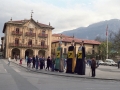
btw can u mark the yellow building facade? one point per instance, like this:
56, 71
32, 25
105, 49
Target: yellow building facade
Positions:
91, 46
27, 38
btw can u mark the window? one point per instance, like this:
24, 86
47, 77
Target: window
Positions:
30, 42
16, 41
65, 44
17, 30
36, 41
43, 32
93, 52
31, 30
42, 43
93, 46
54, 50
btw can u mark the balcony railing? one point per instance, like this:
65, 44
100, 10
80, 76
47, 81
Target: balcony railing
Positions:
42, 35
28, 46
30, 34
16, 33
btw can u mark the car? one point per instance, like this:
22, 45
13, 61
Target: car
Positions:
110, 62
101, 62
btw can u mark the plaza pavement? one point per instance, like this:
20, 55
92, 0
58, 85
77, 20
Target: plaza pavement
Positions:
102, 72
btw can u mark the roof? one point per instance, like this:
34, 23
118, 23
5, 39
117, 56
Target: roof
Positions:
24, 21
59, 35
69, 40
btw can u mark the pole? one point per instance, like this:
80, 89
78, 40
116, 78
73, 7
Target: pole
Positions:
107, 41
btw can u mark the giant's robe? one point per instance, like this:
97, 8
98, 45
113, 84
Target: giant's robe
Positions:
80, 61
70, 60
57, 60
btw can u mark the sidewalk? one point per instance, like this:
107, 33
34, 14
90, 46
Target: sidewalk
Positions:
102, 73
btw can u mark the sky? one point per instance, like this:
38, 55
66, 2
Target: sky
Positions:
63, 15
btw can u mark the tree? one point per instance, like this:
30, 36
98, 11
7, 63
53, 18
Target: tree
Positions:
102, 50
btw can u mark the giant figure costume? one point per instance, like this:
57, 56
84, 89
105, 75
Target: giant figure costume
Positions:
70, 60
57, 60
80, 62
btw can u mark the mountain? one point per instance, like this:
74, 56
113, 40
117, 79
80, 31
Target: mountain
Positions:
94, 30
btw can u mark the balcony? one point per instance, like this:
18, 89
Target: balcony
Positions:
28, 46
30, 34
16, 33
42, 35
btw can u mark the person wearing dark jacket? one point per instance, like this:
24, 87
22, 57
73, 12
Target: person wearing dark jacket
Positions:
93, 67
48, 63
41, 62
33, 61
29, 62
37, 62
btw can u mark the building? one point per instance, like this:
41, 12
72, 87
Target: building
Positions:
90, 45
26, 38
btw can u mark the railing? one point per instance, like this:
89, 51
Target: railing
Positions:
16, 33
30, 34
28, 46
42, 35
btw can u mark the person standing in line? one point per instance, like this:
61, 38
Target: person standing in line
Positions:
37, 62
93, 67
33, 61
9, 59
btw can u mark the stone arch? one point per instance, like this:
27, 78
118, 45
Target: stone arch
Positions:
14, 52
41, 53
29, 52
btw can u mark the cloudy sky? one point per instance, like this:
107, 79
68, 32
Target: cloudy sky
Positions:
62, 14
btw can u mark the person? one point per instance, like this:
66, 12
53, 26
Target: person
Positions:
26, 58
93, 67
20, 61
16, 57
80, 60
33, 61
48, 63
37, 62
53, 62
9, 59
29, 62
41, 62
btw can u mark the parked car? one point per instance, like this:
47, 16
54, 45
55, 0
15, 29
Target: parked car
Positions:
110, 62
101, 62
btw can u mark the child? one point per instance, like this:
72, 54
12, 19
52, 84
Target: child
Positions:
9, 59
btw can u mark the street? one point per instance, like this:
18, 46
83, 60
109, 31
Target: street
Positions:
15, 77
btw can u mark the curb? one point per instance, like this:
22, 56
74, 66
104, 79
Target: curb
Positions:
66, 75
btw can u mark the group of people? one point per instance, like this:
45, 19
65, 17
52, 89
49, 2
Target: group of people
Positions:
39, 62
